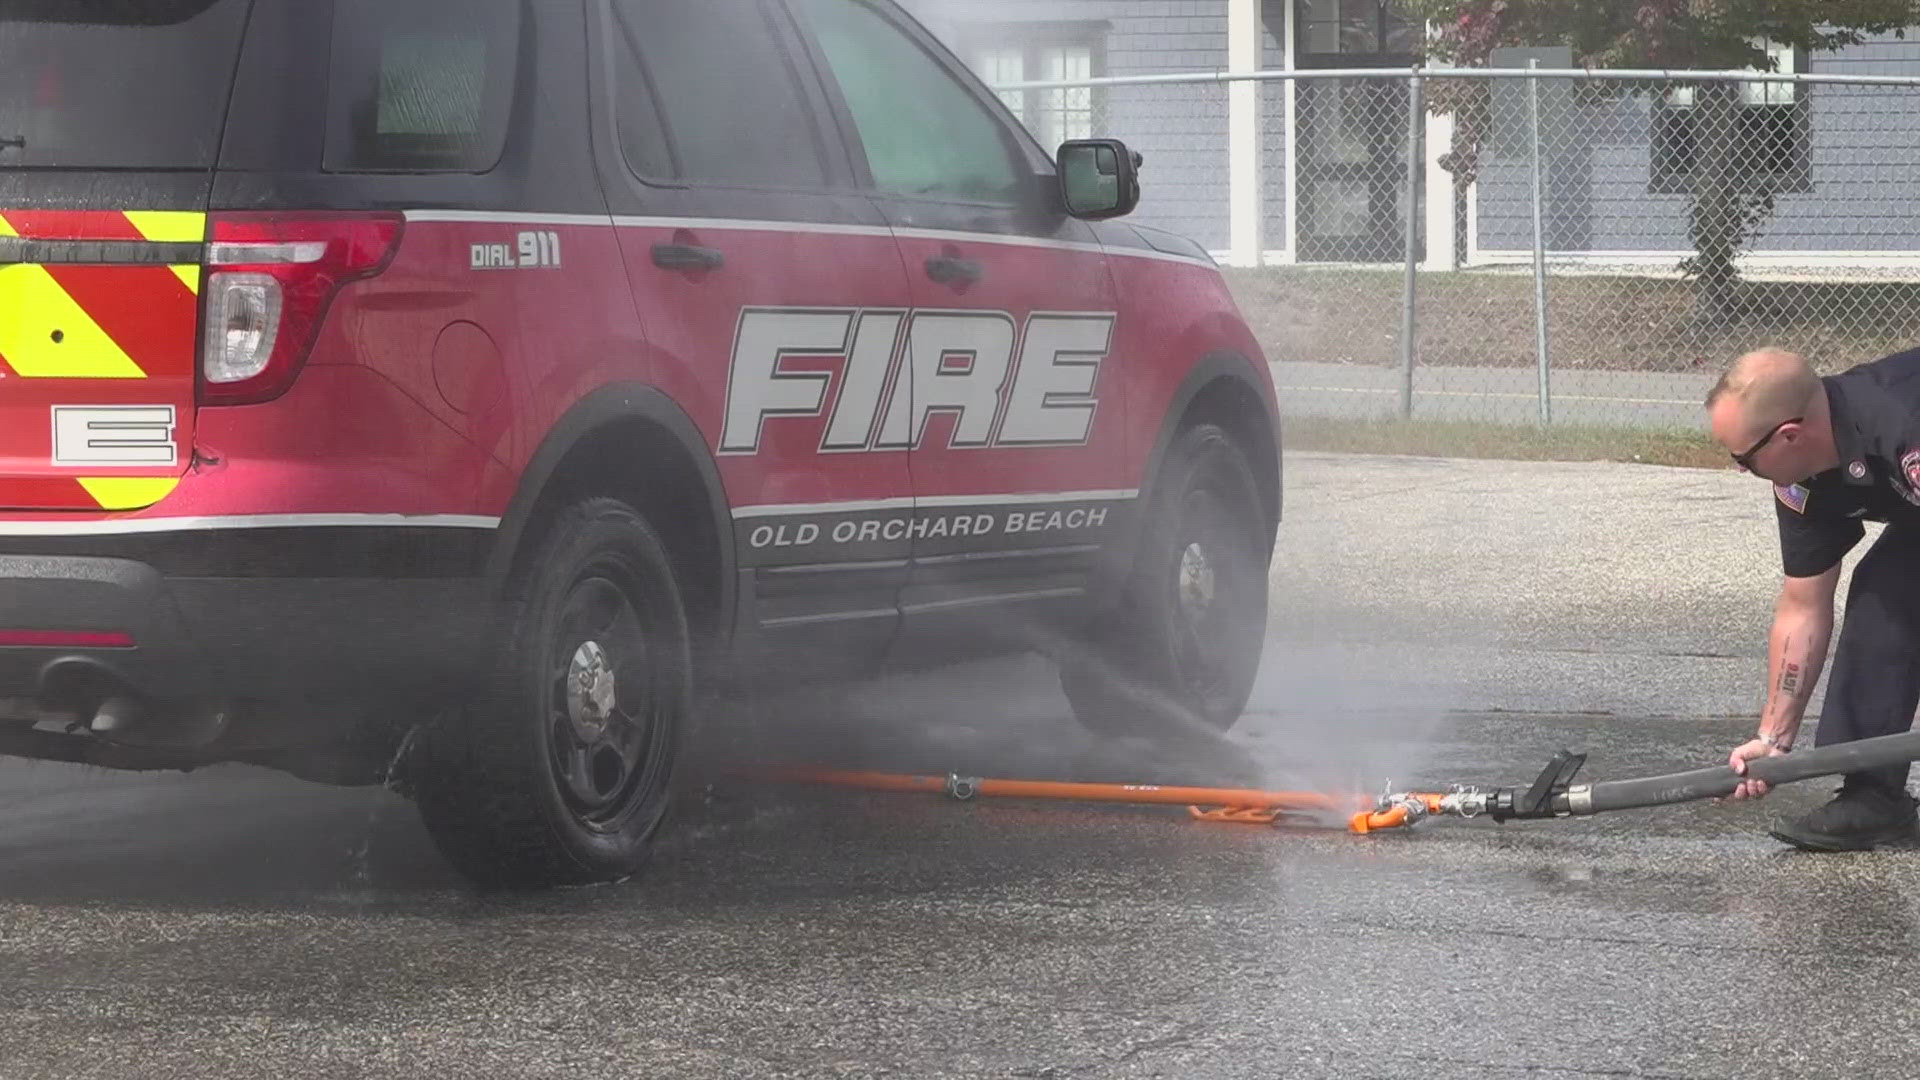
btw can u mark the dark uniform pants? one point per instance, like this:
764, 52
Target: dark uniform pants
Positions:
1875, 682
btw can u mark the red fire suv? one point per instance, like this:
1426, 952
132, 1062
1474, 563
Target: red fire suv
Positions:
492, 379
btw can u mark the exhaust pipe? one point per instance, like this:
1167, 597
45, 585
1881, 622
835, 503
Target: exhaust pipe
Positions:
116, 717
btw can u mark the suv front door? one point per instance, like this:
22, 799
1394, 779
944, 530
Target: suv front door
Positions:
1016, 420
771, 296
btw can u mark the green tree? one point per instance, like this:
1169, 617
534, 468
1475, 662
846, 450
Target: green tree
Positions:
1727, 200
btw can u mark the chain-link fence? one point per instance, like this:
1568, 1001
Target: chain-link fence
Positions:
1589, 247
1181, 130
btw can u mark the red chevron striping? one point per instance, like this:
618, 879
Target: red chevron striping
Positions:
44, 493
146, 310
72, 224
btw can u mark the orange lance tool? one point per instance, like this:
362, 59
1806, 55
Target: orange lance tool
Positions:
1208, 804
1553, 794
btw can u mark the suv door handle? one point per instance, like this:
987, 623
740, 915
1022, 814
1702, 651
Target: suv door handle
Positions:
687, 257
951, 270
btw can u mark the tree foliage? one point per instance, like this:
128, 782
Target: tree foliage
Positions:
1725, 209
1700, 34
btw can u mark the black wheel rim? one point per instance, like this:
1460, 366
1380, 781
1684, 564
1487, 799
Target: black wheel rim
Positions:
1209, 579
607, 735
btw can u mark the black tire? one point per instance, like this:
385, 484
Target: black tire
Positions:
560, 771
1181, 654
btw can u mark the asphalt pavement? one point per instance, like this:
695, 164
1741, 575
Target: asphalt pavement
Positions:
1434, 621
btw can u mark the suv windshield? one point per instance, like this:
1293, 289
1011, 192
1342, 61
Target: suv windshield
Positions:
116, 84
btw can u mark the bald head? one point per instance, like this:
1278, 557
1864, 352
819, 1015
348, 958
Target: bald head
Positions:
1767, 386
1770, 412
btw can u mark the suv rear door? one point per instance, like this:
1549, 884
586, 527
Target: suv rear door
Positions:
771, 295
111, 116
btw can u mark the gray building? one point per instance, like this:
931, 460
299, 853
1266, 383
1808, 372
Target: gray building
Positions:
1315, 171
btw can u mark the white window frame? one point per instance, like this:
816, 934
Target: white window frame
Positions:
1027, 52
1787, 60
1663, 179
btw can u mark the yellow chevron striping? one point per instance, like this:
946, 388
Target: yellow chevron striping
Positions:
169, 226
173, 226
128, 492
6, 229
44, 334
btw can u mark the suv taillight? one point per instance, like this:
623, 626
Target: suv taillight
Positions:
270, 279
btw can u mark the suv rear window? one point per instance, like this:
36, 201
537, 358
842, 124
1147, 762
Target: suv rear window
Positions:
743, 119
116, 84
422, 86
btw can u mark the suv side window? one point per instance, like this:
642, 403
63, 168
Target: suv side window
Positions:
925, 133
421, 87
733, 108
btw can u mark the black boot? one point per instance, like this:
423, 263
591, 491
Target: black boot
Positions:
1860, 817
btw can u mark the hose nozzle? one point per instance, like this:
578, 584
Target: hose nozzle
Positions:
1405, 809
1399, 810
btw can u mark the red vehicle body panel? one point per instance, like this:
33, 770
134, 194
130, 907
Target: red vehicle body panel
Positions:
918, 421
430, 386
100, 339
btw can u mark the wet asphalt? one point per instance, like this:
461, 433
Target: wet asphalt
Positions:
1434, 622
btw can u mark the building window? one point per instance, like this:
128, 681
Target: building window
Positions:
1332, 29
1025, 53
1770, 138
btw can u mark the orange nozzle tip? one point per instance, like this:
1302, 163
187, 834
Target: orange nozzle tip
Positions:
1393, 818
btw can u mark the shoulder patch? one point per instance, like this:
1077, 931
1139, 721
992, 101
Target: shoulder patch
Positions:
1910, 468
1795, 495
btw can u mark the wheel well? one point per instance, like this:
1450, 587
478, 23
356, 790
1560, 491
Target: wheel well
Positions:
1239, 409
643, 465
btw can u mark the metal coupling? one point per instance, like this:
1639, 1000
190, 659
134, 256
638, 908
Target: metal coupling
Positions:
962, 787
1580, 799
1412, 805
1465, 802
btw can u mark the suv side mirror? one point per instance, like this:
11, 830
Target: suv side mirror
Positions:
1099, 178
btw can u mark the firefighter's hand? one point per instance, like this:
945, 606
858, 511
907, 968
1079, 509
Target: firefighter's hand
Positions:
1737, 761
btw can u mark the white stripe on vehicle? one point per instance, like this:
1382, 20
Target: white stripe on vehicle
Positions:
493, 217
126, 526
928, 501
796, 227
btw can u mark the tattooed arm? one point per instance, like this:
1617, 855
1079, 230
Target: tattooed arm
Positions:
1802, 626
1796, 653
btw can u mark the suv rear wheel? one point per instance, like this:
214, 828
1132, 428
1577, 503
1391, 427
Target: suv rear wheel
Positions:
560, 771
1186, 643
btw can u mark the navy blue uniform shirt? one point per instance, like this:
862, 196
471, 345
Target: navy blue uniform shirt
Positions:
1876, 427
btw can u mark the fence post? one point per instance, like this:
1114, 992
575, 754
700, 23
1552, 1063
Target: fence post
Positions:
1246, 158
1539, 245
1416, 153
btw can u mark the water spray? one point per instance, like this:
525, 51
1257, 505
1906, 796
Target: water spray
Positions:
1552, 794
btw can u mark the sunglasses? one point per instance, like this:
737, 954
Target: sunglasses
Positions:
1745, 460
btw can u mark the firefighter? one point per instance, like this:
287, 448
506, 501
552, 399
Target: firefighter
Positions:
1840, 450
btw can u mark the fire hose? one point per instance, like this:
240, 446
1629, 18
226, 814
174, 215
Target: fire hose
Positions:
1552, 794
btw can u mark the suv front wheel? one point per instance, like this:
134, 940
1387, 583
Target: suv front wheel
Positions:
1185, 644
560, 771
